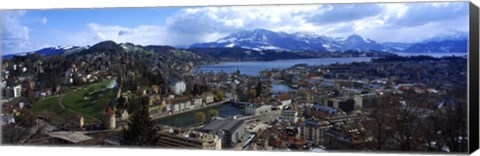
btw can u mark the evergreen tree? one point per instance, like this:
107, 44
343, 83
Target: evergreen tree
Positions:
258, 89
141, 130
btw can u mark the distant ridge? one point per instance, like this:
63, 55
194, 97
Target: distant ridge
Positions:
263, 39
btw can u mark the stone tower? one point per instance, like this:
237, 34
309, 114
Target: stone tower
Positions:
109, 120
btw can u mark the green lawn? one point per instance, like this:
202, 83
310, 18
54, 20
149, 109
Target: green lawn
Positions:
90, 101
50, 104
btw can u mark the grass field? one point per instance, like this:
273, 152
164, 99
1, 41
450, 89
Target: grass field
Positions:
90, 101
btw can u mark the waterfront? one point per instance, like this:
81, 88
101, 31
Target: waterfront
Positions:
252, 68
188, 118
430, 54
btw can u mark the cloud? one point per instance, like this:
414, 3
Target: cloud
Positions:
335, 13
392, 22
44, 21
200, 24
15, 35
416, 14
337, 20
143, 34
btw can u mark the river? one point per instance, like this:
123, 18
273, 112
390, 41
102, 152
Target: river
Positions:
188, 118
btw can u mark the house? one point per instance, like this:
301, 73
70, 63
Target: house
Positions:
180, 104
197, 102
208, 97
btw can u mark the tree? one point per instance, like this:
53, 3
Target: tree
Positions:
252, 93
213, 112
141, 130
196, 89
219, 95
258, 89
27, 118
200, 117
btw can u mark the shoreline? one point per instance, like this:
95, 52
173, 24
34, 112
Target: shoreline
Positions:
158, 117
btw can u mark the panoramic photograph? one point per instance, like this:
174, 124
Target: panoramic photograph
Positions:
361, 77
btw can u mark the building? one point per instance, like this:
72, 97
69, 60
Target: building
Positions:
7, 119
180, 104
345, 104
365, 101
13, 91
17, 91
183, 138
285, 100
351, 136
208, 97
253, 109
177, 87
314, 130
289, 115
197, 102
231, 131
279, 137
322, 112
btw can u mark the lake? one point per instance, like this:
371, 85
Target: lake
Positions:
253, 68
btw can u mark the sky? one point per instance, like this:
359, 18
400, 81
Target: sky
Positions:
30, 30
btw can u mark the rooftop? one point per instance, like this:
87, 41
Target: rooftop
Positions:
74, 137
229, 125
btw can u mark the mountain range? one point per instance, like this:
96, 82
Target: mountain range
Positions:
262, 39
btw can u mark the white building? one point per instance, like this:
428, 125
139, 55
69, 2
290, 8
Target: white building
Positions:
197, 102
178, 87
17, 91
256, 109
290, 115
7, 119
208, 97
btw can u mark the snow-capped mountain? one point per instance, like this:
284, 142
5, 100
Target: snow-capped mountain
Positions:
399, 46
453, 42
59, 50
262, 39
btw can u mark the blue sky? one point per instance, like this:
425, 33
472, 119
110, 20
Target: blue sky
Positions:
29, 30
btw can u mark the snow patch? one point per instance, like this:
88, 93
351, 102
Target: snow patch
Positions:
230, 45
